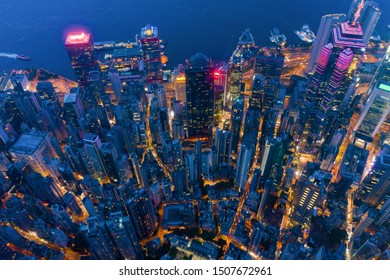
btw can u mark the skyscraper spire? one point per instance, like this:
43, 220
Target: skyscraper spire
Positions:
358, 13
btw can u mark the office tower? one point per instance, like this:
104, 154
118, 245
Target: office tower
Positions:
151, 49
332, 97
352, 165
368, 15
223, 144
221, 80
264, 199
99, 239
369, 18
365, 221
376, 185
179, 82
124, 236
178, 130
236, 122
268, 66
9, 112
245, 159
93, 189
200, 96
198, 159
189, 160
72, 203
92, 157
33, 148
81, 53
29, 108
43, 188
218, 103
273, 154
384, 213
258, 232
180, 183
109, 158
73, 110
141, 212
251, 126
161, 94
245, 49
377, 107
258, 90
309, 195
63, 219
328, 22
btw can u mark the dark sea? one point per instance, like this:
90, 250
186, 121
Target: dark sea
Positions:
38, 28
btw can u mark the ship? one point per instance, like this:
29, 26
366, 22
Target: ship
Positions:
23, 57
305, 34
277, 38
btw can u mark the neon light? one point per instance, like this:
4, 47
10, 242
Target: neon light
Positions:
216, 74
77, 36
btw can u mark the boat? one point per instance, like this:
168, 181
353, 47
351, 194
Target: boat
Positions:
23, 57
277, 38
305, 34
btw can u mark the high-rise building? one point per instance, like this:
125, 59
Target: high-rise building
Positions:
200, 96
236, 122
376, 185
245, 159
29, 108
141, 212
328, 22
151, 49
223, 144
264, 199
179, 82
34, 148
109, 158
332, 97
44, 188
180, 182
73, 109
81, 53
92, 157
310, 194
99, 239
124, 236
377, 107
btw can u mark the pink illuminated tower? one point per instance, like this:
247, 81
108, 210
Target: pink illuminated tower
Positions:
343, 63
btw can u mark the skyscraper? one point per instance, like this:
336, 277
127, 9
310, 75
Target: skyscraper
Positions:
377, 107
310, 194
99, 239
200, 96
323, 34
236, 122
93, 159
376, 185
141, 212
245, 159
33, 148
124, 236
223, 144
81, 53
151, 49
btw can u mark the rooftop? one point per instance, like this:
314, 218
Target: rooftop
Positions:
76, 38
70, 98
28, 143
